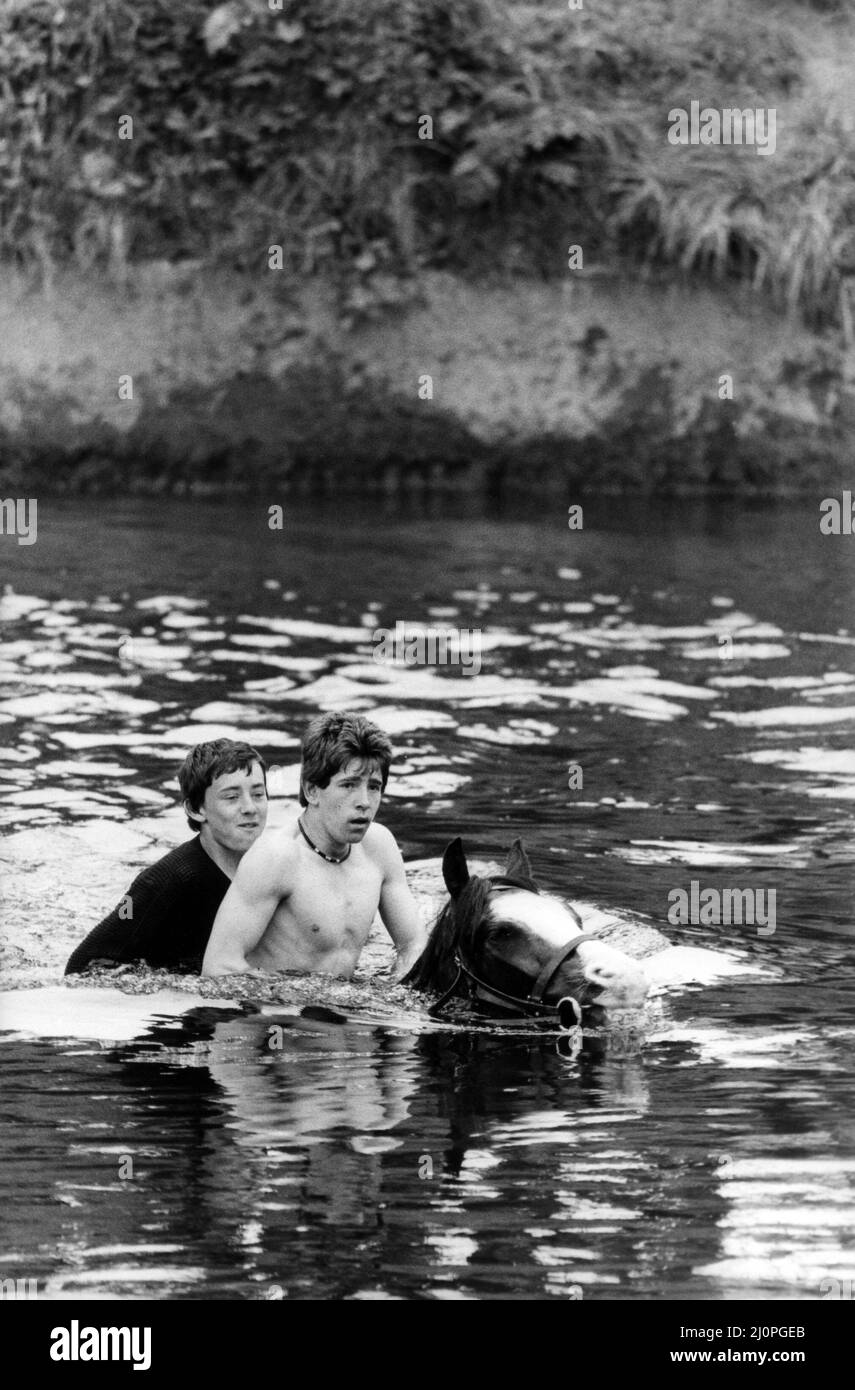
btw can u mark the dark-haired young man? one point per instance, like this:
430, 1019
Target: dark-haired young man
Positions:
166, 916
304, 897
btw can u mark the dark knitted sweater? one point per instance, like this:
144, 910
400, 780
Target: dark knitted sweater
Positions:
172, 909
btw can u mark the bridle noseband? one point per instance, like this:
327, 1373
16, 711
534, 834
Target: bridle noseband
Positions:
566, 1010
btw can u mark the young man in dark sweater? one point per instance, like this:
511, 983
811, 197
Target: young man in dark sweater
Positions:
166, 916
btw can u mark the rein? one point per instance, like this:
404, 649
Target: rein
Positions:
567, 1010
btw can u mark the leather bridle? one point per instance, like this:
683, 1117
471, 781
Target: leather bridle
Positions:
566, 1011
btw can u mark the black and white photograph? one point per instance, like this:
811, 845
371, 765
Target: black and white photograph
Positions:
427, 677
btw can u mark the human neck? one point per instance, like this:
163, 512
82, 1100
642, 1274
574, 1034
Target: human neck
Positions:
225, 859
317, 832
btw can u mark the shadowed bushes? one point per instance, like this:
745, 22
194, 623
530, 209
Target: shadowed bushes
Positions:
300, 127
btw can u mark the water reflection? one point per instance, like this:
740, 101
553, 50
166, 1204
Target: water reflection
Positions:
348, 1149
362, 1161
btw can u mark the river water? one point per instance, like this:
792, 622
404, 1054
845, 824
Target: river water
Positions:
694, 664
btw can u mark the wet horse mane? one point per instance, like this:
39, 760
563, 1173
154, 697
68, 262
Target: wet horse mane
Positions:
435, 967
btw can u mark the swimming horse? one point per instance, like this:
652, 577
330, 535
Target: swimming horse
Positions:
513, 950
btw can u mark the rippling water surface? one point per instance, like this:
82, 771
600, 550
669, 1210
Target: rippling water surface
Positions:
696, 664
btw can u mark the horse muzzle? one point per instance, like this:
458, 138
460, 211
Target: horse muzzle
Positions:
611, 979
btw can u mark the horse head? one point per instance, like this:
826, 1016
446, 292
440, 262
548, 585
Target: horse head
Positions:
514, 949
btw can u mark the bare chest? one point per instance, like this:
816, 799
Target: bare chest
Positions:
332, 906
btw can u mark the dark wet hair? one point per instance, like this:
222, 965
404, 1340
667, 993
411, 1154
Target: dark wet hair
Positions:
208, 761
332, 740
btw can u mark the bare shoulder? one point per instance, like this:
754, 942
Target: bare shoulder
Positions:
272, 858
381, 846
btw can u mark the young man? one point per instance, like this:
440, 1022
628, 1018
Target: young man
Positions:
166, 916
304, 897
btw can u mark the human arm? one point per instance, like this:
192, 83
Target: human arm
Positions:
398, 909
262, 880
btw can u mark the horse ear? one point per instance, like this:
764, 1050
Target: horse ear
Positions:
455, 870
518, 865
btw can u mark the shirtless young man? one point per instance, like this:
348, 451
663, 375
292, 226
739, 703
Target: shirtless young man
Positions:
304, 897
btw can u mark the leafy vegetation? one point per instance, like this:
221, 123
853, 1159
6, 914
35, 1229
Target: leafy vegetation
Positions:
300, 127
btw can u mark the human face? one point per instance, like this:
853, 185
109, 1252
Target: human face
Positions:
346, 807
234, 809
